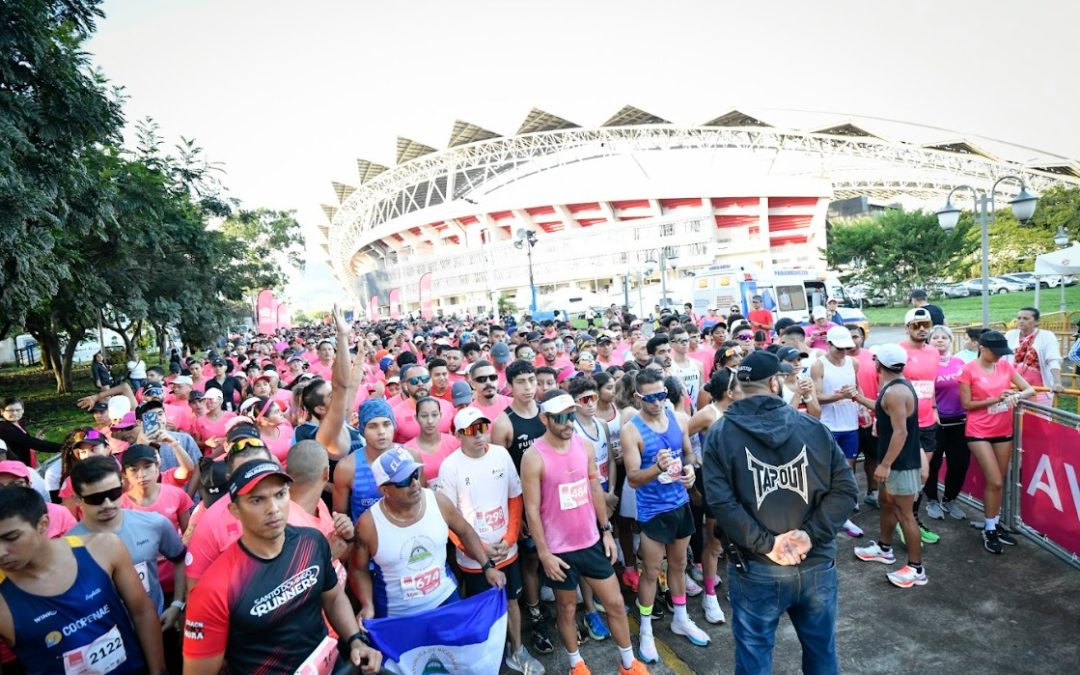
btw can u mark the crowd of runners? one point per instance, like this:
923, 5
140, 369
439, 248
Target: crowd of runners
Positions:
250, 506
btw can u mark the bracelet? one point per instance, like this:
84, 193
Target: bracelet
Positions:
178, 604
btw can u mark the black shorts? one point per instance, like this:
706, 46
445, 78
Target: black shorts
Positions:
586, 562
867, 443
992, 439
928, 438
667, 527
473, 583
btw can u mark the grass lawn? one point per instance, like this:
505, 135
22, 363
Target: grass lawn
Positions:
966, 311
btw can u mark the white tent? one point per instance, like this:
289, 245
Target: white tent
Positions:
1064, 261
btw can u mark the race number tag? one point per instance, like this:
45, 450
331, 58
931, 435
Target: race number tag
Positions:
602, 468
923, 388
418, 585
673, 473
573, 495
101, 656
144, 576
322, 660
490, 521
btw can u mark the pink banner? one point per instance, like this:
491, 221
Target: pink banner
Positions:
1050, 501
426, 303
373, 308
265, 312
395, 303
284, 316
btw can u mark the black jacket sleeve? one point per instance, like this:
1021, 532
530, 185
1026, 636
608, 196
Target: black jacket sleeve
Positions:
20, 443
838, 503
731, 516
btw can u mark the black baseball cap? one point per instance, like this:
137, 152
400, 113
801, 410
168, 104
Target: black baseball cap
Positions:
242, 431
760, 365
138, 453
995, 342
218, 362
100, 406
790, 354
149, 405
250, 474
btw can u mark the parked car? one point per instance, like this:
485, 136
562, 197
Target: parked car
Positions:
996, 285
1025, 280
865, 296
957, 290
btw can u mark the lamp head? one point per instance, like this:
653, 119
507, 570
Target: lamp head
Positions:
948, 216
1023, 206
1061, 239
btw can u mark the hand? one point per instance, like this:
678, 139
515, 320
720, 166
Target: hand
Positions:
498, 551
611, 501
495, 577
87, 402
688, 476
610, 550
881, 473
366, 612
806, 387
367, 658
798, 544
342, 326
554, 566
663, 460
343, 527
170, 618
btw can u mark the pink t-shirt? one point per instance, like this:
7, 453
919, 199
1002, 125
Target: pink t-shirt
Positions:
206, 428
407, 428
181, 417
997, 420
433, 460
493, 410
279, 447
317, 368
60, 520
171, 502
168, 477
704, 356
921, 371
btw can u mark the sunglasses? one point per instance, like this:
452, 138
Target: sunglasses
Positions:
585, 357
481, 379
587, 399
682, 341
246, 443
478, 429
525, 356
745, 336
415, 475
98, 498
561, 418
419, 379
652, 398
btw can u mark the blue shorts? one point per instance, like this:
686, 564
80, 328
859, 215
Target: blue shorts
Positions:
848, 442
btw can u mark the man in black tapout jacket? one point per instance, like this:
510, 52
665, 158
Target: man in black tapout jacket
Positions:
779, 488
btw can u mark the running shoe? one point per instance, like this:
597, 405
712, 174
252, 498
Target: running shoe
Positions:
691, 632
713, 612
692, 588
522, 661
852, 530
541, 643
992, 542
580, 669
647, 648
630, 578
906, 577
596, 627
871, 498
696, 573
874, 553
534, 615
935, 510
953, 509
668, 602
928, 537
1005, 536
636, 668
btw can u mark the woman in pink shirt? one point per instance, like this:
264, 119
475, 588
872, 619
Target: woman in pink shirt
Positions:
274, 429
986, 393
210, 427
432, 445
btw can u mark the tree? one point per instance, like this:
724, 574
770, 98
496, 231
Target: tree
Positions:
898, 250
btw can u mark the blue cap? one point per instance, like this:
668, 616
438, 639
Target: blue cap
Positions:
374, 408
394, 466
384, 363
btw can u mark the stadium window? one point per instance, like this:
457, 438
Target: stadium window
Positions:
667, 229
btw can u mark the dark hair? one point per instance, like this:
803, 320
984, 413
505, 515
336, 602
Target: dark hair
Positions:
976, 331
547, 340
518, 368
579, 385
427, 399
547, 370
679, 330
437, 363
602, 378
646, 376
24, 503
611, 370
855, 326
496, 327
655, 342
12, 400
93, 470
470, 347
722, 381
478, 365
404, 358
783, 324
795, 330
1034, 311
675, 389
156, 369
918, 294
245, 454
311, 397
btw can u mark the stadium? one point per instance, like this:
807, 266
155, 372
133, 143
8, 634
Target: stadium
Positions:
449, 230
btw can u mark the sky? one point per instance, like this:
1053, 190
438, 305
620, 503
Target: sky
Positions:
287, 95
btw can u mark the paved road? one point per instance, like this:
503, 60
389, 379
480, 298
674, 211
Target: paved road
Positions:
883, 334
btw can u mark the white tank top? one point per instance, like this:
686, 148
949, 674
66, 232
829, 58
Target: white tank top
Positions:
691, 379
411, 561
595, 434
841, 415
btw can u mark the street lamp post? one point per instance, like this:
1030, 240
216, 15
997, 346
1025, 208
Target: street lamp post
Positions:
1023, 206
526, 239
665, 257
1061, 240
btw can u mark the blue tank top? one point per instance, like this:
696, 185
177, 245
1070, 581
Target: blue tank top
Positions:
664, 493
85, 626
364, 491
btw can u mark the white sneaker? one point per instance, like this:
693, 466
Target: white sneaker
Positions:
713, 612
874, 553
692, 587
522, 661
906, 577
647, 648
852, 530
546, 594
954, 510
691, 632
935, 510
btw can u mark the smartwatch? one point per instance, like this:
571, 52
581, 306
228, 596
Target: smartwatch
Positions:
487, 566
606, 527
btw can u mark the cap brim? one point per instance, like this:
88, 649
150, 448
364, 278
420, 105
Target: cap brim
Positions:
404, 471
258, 479
1000, 351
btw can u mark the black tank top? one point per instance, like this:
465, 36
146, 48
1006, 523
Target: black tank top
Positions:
526, 430
909, 455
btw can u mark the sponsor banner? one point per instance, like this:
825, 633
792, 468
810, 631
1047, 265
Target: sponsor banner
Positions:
426, 302
395, 303
1050, 479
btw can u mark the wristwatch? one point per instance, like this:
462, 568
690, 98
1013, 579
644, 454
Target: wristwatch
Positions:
346, 644
606, 527
179, 604
487, 566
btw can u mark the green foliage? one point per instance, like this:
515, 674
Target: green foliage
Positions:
897, 250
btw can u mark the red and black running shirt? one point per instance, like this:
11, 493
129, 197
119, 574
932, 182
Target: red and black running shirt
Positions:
265, 616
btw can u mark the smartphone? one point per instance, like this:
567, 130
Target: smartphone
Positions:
151, 421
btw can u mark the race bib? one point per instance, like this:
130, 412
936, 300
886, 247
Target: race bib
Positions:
998, 408
573, 495
923, 388
101, 656
493, 520
602, 467
673, 473
322, 660
144, 576
415, 586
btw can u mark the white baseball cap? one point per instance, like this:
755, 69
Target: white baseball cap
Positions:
890, 355
466, 417
917, 314
840, 337
559, 404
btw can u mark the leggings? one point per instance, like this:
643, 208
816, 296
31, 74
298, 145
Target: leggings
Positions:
952, 445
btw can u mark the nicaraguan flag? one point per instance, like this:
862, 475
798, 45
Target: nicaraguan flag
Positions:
462, 638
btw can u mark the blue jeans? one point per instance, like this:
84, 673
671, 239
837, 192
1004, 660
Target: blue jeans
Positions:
758, 598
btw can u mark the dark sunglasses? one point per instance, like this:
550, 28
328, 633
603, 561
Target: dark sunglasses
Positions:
478, 429
419, 379
415, 475
98, 498
681, 341
561, 418
481, 379
745, 336
652, 398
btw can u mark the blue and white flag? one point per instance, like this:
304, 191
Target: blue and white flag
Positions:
462, 638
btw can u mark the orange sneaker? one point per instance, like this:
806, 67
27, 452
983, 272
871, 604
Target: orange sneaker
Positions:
636, 668
580, 669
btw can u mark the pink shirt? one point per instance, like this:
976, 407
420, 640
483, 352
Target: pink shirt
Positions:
60, 520
433, 460
181, 417
997, 420
168, 477
493, 410
407, 428
317, 368
921, 371
566, 507
206, 428
171, 502
279, 447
